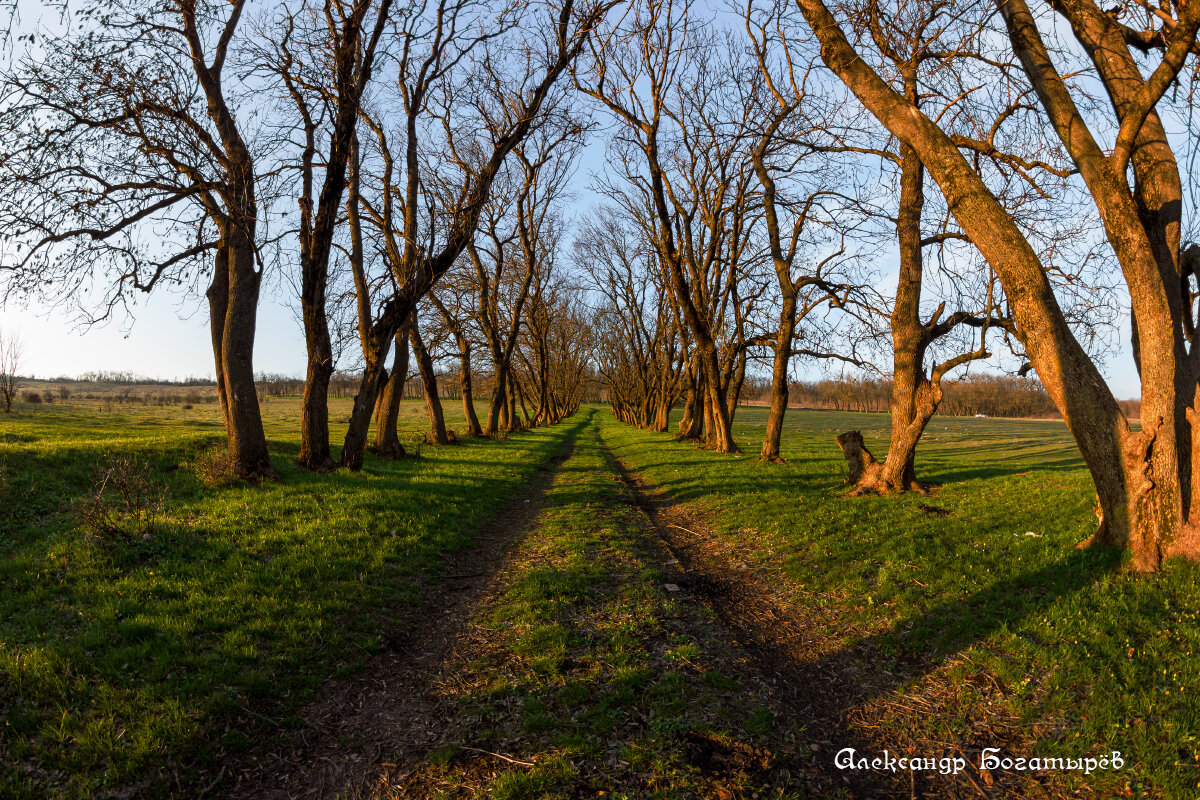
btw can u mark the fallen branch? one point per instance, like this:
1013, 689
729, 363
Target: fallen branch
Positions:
497, 755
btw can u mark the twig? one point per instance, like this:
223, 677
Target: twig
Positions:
213, 785
693, 533
978, 788
497, 755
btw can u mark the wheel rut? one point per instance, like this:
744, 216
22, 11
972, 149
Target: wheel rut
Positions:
361, 726
815, 679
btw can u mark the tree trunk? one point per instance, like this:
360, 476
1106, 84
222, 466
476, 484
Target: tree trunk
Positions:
779, 383
864, 469
468, 397
375, 351
691, 427
218, 302
387, 406
247, 440
721, 432
521, 399
915, 397
499, 401
433, 403
314, 406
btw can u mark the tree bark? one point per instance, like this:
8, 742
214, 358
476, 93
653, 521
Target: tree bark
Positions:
691, 427
387, 406
779, 381
247, 440
433, 403
468, 394
864, 469
314, 405
496, 411
218, 303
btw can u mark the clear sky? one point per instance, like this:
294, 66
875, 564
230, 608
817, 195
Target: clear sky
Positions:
167, 337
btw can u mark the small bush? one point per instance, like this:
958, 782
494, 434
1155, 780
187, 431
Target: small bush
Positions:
212, 466
124, 502
32, 397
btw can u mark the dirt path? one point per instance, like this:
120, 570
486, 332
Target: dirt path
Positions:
387, 712
601, 639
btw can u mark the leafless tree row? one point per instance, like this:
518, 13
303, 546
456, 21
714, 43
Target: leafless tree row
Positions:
354, 145
904, 187
1020, 161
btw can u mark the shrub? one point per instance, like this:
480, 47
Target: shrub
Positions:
32, 397
124, 502
212, 466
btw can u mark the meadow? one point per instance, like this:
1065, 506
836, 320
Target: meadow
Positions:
144, 661
986, 625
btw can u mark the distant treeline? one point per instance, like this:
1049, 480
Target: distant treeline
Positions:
345, 384
991, 395
115, 378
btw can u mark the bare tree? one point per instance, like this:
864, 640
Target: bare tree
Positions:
640, 350
129, 167
431, 47
1144, 479
325, 60
452, 304
11, 353
680, 158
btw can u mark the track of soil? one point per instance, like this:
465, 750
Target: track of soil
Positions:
366, 730
386, 714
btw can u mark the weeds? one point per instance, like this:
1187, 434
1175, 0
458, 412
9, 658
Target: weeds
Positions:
212, 466
125, 502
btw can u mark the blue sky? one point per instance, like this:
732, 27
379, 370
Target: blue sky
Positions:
167, 335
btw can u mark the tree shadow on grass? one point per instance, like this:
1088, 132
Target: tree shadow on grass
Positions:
945, 473
210, 621
824, 681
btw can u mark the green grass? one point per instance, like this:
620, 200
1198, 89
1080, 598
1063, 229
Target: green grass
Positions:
124, 659
993, 601
589, 670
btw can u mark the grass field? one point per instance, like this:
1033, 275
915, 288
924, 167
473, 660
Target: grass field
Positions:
990, 613
126, 659
131, 660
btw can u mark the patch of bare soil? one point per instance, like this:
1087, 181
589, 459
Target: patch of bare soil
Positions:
389, 711
832, 681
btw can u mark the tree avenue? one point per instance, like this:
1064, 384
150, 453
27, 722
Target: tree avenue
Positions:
523, 207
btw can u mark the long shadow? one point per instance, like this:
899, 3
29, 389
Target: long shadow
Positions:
356, 724
994, 470
823, 683
137, 615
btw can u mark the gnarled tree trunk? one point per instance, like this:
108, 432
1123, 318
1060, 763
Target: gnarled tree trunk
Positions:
433, 403
387, 406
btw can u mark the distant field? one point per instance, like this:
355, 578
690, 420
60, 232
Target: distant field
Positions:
992, 443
